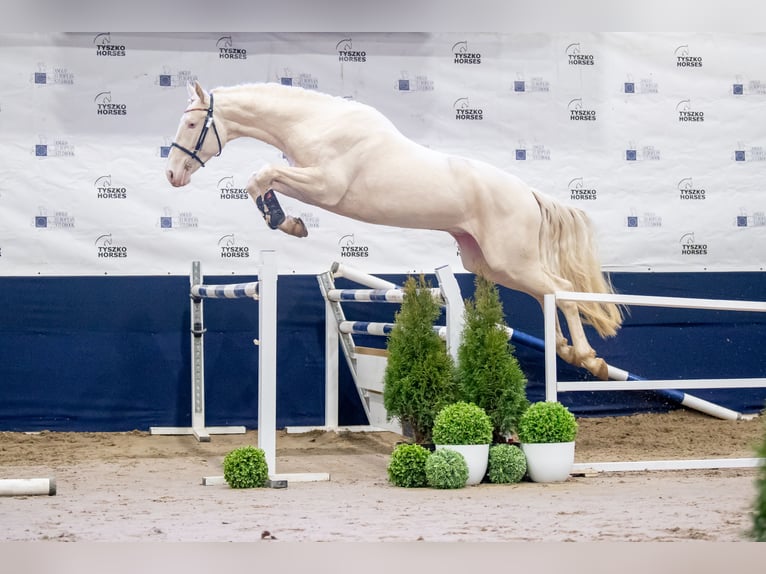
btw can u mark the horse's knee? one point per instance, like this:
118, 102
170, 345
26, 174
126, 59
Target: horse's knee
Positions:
252, 187
257, 183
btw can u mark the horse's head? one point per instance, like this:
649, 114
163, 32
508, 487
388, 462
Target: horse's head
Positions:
197, 139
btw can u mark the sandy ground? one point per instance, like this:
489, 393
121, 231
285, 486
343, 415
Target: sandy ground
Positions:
137, 487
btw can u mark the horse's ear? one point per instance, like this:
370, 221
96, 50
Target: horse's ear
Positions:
196, 91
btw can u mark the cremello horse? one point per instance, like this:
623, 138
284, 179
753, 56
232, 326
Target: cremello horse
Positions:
349, 159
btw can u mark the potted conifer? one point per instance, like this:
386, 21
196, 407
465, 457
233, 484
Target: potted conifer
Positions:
487, 371
419, 375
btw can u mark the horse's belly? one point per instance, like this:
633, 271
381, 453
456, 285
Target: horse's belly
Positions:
400, 211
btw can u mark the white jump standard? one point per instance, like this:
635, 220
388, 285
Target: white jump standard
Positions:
264, 291
197, 292
367, 365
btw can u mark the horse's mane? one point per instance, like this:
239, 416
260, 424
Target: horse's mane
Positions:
291, 91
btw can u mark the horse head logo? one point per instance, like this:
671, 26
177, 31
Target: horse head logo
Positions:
103, 181
461, 103
576, 183
226, 241
104, 240
347, 240
224, 42
687, 238
103, 98
344, 45
226, 182
103, 39
460, 47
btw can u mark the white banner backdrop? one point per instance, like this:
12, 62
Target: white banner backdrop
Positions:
659, 137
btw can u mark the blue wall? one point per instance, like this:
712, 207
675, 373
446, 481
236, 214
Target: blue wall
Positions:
113, 353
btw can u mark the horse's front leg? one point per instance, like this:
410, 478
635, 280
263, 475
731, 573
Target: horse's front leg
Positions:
289, 180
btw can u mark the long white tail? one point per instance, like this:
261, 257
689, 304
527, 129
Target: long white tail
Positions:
569, 251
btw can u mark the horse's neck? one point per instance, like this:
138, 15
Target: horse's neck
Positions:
256, 111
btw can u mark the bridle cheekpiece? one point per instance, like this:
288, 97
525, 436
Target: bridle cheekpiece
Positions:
203, 134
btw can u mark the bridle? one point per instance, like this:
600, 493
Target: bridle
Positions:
203, 134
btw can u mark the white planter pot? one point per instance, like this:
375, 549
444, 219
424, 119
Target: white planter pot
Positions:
476, 457
549, 462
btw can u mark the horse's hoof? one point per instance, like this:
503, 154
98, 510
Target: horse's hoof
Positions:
294, 226
598, 368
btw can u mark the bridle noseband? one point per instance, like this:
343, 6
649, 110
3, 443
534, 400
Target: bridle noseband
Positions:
203, 134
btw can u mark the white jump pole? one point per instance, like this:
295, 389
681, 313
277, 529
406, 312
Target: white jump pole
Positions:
340, 270
27, 486
267, 359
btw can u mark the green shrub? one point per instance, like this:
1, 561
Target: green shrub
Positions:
507, 464
547, 422
462, 423
407, 466
488, 372
246, 467
758, 531
446, 469
419, 378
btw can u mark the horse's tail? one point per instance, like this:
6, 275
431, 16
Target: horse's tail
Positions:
568, 250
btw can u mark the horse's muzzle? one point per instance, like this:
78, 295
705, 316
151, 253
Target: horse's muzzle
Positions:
178, 178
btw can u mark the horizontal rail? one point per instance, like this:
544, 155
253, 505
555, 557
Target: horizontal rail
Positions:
374, 295
378, 329
233, 291
655, 384
674, 302
627, 381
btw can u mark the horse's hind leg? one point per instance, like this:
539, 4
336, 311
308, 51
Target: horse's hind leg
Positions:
580, 353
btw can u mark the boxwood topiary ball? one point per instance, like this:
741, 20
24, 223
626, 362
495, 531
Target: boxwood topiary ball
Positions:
446, 468
246, 467
407, 466
507, 464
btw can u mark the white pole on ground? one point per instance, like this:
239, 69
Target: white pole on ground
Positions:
27, 486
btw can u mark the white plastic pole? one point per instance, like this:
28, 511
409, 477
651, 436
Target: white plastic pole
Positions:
549, 319
27, 486
330, 367
267, 359
450, 291
340, 270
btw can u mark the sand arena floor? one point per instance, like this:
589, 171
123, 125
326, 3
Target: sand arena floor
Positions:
122, 487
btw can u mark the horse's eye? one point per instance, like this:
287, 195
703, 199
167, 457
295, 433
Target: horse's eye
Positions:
192, 125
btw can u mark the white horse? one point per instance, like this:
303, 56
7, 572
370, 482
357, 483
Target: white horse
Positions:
349, 159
